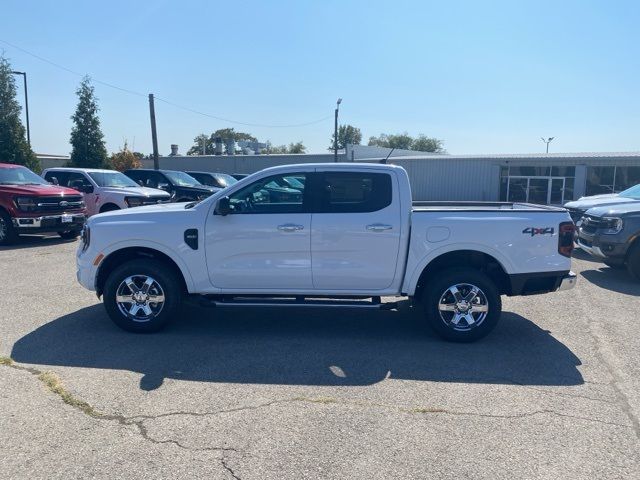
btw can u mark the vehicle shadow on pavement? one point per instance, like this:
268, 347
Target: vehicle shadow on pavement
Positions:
301, 347
614, 279
33, 241
582, 255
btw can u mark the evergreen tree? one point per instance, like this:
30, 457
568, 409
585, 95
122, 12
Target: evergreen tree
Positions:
87, 140
13, 144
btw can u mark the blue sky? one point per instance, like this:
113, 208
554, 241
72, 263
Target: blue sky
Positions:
485, 77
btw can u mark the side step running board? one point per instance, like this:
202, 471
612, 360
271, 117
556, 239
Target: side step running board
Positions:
299, 302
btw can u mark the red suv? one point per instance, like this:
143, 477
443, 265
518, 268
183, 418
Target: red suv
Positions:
29, 204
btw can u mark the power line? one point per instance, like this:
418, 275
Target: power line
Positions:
182, 107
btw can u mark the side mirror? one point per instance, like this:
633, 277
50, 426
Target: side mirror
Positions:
224, 206
141, 183
54, 181
85, 188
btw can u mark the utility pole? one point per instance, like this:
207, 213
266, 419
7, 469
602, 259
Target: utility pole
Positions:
547, 141
26, 104
154, 134
335, 132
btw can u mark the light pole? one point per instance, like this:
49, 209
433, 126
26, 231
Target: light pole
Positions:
335, 132
547, 141
26, 104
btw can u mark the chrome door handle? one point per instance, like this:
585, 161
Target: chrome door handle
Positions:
290, 227
379, 227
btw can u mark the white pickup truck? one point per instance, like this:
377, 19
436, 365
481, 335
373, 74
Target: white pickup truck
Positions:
348, 235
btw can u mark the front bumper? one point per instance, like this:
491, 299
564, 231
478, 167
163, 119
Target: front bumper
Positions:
602, 246
50, 223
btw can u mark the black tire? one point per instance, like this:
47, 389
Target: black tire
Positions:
69, 234
8, 234
109, 207
633, 260
480, 323
615, 266
164, 278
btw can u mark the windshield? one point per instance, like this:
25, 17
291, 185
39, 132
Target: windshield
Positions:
225, 180
20, 176
633, 192
182, 179
112, 179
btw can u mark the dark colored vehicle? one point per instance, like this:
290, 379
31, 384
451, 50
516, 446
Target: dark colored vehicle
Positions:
612, 234
181, 186
29, 204
239, 176
577, 208
217, 180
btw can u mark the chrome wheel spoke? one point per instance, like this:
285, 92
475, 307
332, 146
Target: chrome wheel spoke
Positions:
456, 293
135, 308
147, 284
156, 298
140, 304
447, 307
469, 319
481, 308
124, 299
130, 283
472, 294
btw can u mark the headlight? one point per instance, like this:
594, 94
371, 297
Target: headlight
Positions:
26, 204
133, 201
85, 237
612, 225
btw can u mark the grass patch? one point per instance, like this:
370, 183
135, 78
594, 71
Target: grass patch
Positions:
53, 383
6, 361
428, 410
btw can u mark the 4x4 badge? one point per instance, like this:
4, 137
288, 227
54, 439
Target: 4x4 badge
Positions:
538, 231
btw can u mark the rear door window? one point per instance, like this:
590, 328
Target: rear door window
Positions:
354, 192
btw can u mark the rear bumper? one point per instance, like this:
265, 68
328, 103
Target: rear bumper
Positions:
541, 282
50, 223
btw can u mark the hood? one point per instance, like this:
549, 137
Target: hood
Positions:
198, 189
136, 191
615, 210
140, 211
38, 190
586, 203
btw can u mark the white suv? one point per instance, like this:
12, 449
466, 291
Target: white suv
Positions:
105, 190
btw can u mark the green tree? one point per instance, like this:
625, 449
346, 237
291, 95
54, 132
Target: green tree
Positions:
428, 144
125, 159
347, 134
297, 147
224, 133
87, 141
407, 142
13, 144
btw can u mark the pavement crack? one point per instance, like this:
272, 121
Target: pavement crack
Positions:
223, 461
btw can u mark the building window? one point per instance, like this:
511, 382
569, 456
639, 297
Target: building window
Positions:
626, 177
600, 180
537, 184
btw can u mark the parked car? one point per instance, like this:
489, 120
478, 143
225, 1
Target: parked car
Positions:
181, 186
578, 208
29, 204
367, 241
105, 190
612, 234
216, 180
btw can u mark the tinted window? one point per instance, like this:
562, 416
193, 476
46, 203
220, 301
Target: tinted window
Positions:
627, 177
149, 179
269, 195
112, 179
600, 180
72, 180
349, 192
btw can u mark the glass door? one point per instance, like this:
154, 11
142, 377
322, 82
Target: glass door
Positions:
538, 191
517, 189
556, 192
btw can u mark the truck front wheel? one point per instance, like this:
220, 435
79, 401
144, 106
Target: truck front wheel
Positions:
462, 304
7, 232
142, 296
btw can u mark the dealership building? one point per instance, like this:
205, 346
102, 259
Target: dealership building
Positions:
545, 178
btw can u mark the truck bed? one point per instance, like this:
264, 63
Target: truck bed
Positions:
482, 207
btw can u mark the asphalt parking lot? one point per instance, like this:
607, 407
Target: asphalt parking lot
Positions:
553, 392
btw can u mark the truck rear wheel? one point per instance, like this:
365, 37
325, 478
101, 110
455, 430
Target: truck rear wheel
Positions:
462, 304
8, 234
142, 296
